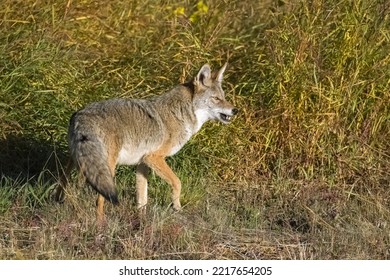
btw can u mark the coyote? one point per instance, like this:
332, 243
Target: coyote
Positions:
142, 132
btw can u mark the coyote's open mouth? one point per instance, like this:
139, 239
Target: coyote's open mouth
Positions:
225, 118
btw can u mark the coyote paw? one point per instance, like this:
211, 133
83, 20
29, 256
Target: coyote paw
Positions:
176, 208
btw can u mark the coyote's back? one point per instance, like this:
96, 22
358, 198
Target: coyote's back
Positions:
143, 132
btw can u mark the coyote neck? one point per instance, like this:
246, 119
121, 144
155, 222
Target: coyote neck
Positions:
202, 116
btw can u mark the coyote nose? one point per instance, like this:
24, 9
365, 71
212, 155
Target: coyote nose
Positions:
234, 111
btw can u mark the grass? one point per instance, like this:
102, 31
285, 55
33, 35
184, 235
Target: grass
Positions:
301, 173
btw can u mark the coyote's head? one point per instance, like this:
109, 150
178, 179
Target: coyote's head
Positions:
209, 98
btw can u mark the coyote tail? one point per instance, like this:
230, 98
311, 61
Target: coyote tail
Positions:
91, 158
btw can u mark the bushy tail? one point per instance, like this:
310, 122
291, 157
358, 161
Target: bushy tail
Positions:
91, 156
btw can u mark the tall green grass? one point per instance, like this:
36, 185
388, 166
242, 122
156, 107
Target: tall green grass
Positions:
302, 172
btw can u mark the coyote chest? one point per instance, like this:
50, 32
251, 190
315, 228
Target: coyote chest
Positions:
180, 141
189, 130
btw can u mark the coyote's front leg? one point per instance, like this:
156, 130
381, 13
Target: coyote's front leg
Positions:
158, 164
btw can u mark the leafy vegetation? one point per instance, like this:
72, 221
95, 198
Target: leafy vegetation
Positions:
301, 173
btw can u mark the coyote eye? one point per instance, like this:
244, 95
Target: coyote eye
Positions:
216, 98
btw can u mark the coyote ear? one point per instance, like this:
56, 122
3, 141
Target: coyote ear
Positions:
204, 76
220, 73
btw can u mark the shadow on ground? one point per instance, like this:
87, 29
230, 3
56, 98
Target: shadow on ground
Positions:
26, 159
